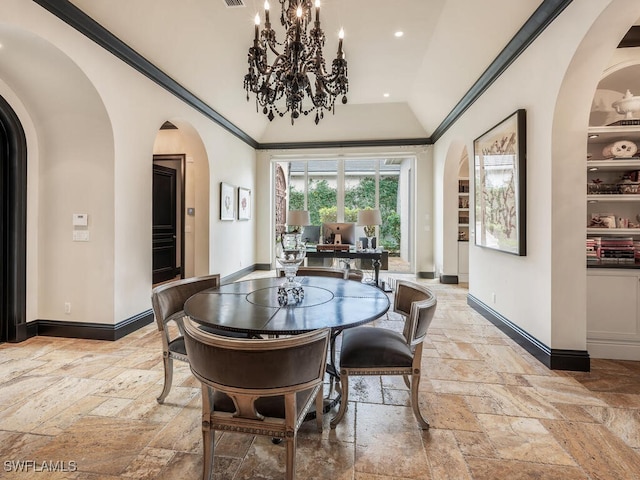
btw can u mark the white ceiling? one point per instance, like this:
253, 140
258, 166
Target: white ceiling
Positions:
447, 44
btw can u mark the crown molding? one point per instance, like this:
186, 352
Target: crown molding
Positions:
534, 26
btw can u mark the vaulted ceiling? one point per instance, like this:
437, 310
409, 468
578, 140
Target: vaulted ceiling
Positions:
450, 49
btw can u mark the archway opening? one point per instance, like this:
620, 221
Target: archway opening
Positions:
180, 154
13, 208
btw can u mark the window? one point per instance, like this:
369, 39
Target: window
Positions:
335, 190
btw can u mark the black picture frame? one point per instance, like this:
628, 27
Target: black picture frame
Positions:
500, 186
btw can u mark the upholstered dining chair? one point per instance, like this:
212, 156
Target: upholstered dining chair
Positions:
168, 301
257, 386
380, 351
347, 274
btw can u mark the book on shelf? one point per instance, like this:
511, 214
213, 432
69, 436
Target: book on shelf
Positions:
625, 122
612, 250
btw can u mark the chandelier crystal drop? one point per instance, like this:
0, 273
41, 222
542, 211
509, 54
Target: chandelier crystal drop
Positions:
296, 80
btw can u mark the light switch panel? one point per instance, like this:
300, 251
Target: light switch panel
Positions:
81, 235
80, 219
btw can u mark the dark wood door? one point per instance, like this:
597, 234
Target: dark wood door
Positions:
164, 223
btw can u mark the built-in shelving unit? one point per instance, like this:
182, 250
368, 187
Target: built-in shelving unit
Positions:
613, 274
463, 209
463, 226
613, 199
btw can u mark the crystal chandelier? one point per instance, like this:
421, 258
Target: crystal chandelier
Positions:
298, 70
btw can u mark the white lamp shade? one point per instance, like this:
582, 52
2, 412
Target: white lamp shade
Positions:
298, 217
369, 217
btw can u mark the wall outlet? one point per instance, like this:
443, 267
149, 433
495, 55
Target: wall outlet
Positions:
67, 307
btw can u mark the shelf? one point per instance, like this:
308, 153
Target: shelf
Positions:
613, 231
614, 134
466, 194
614, 164
633, 197
466, 225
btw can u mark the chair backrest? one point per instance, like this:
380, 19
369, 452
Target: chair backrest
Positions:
256, 368
168, 299
354, 274
417, 304
328, 272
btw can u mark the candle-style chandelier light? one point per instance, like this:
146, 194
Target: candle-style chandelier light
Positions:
297, 80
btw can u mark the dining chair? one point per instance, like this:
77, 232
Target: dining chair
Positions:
257, 386
381, 351
168, 301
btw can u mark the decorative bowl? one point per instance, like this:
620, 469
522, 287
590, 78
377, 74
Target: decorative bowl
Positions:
627, 105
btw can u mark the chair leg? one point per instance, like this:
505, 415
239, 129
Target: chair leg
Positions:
290, 473
208, 442
208, 434
319, 408
344, 386
415, 383
168, 378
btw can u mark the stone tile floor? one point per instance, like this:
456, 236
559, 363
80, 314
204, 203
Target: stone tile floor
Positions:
495, 412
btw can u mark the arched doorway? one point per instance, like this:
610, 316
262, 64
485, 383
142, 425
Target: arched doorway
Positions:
179, 148
13, 208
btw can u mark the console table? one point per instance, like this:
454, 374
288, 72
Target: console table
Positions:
378, 257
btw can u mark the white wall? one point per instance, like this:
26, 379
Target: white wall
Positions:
95, 120
544, 292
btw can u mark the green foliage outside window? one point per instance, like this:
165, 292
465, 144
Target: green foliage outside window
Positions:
322, 200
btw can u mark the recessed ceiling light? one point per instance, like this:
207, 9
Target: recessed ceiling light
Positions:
385, 95
595, 135
593, 169
399, 33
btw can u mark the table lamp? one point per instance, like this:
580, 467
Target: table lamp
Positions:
298, 219
369, 218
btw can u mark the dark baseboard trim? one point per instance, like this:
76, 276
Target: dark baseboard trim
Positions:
554, 359
262, 266
239, 274
22, 333
449, 279
91, 331
32, 329
430, 275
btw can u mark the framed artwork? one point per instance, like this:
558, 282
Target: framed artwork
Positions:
500, 183
227, 203
244, 203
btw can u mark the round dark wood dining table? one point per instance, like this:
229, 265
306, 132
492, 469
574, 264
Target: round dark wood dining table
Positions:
251, 306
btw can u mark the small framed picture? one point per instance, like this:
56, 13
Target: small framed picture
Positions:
227, 210
244, 203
